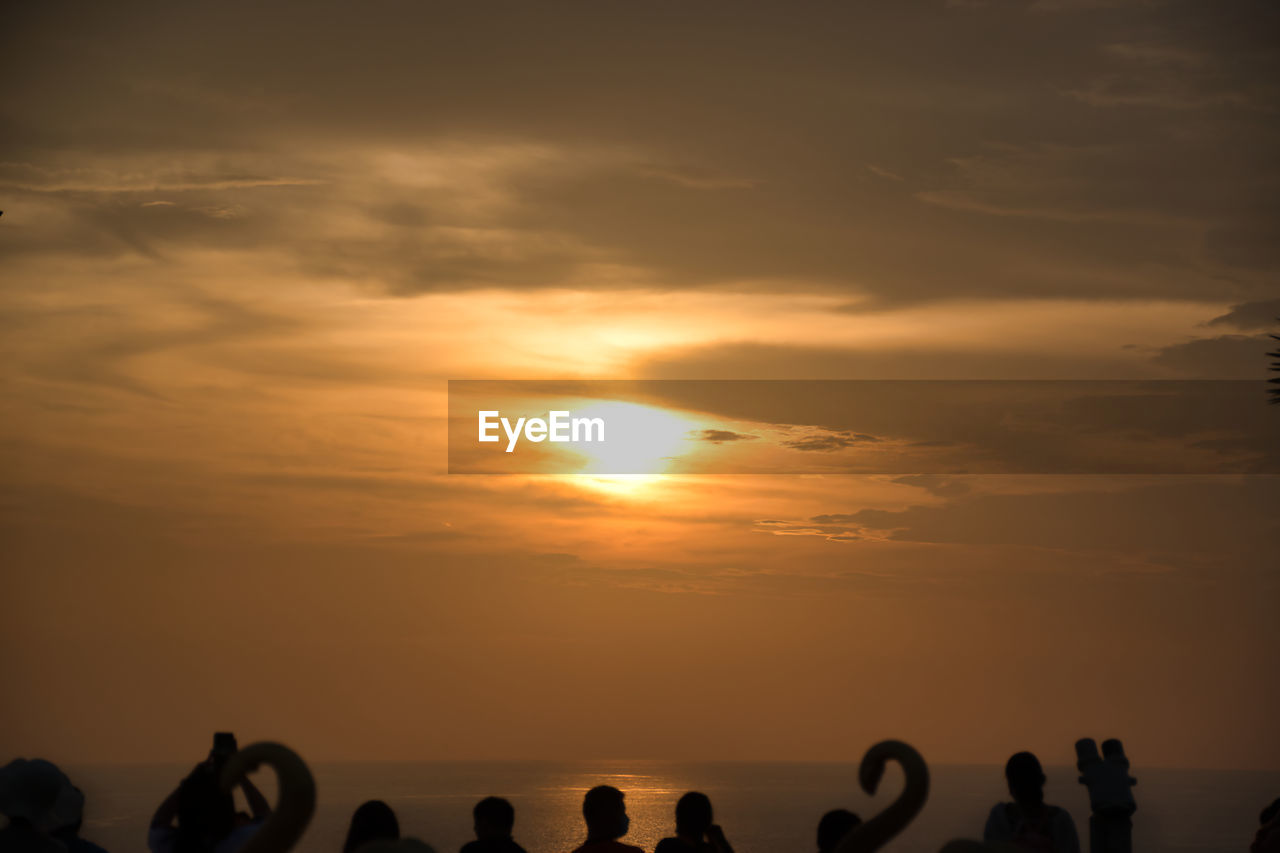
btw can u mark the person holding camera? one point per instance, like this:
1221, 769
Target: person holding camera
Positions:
200, 816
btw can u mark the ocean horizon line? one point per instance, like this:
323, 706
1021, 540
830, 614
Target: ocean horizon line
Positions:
337, 762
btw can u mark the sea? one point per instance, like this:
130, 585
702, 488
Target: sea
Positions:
763, 807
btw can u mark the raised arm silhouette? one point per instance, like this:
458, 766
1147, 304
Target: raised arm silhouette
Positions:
295, 805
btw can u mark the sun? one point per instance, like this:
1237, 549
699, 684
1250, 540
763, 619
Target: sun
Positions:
640, 439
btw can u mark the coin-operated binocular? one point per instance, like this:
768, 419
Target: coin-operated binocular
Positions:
1110, 787
1106, 776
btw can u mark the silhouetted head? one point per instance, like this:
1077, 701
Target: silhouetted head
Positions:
494, 818
1270, 813
373, 821
35, 794
206, 812
606, 813
693, 815
1025, 778
833, 827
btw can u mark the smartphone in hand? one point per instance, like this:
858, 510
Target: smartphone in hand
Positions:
224, 746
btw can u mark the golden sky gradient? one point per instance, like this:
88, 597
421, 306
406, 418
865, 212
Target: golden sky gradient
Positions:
245, 246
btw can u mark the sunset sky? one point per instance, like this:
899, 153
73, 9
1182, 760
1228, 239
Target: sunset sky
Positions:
245, 245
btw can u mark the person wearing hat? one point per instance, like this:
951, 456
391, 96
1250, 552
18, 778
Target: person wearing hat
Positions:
44, 809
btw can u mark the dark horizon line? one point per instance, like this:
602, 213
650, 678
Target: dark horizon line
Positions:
853, 763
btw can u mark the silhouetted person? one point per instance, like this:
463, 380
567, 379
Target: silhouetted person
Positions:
833, 827
695, 830
205, 815
606, 816
494, 819
43, 808
1027, 822
1267, 839
372, 821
